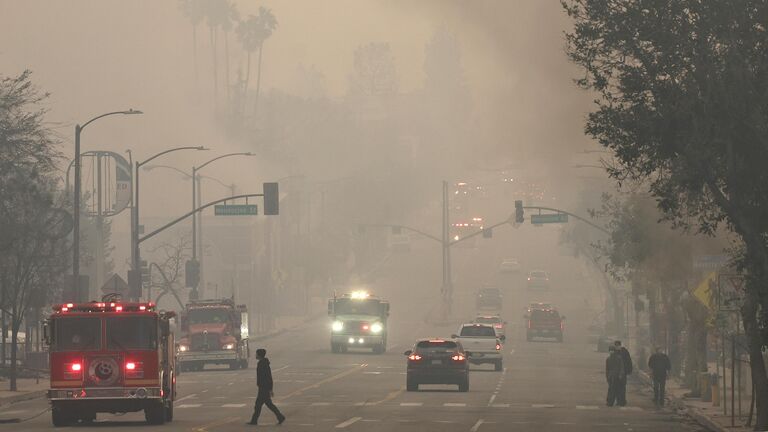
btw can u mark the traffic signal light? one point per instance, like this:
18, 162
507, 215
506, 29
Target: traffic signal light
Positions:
271, 199
519, 212
488, 233
192, 273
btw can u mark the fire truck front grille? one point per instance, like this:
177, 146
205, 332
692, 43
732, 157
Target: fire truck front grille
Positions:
204, 342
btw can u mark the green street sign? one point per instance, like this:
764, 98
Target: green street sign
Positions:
236, 210
549, 218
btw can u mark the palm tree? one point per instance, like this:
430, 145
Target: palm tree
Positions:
194, 10
227, 24
216, 13
252, 33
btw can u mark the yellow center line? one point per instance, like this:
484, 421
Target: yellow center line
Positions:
389, 396
321, 382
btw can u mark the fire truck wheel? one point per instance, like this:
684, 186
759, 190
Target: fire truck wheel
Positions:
60, 418
155, 413
169, 411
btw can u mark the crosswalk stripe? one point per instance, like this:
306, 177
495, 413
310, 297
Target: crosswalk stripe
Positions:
182, 406
542, 406
587, 407
348, 422
630, 408
320, 404
411, 404
233, 405
448, 404
500, 406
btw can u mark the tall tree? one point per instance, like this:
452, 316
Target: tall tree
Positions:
32, 229
681, 89
194, 10
252, 33
374, 71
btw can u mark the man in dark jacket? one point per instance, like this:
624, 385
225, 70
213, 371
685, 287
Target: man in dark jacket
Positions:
614, 374
621, 397
660, 366
265, 384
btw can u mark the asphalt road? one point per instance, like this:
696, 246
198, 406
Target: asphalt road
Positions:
545, 386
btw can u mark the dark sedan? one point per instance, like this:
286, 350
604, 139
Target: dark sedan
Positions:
437, 361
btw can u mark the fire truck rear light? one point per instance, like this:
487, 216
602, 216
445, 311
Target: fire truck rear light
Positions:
130, 366
76, 367
70, 305
118, 308
142, 307
64, 309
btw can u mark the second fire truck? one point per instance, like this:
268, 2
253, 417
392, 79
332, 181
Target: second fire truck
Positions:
359, 321
214, 332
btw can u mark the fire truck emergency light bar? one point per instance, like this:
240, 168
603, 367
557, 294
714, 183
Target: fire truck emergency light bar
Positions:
104, 307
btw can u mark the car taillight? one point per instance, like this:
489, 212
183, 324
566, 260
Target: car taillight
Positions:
498, 346
134, 370
498, 326
458, 357
414, 357
73, 370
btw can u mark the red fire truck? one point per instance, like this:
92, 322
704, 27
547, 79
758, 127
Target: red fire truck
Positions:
110, 357
214, 332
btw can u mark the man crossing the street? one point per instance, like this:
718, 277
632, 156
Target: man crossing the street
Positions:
266, 386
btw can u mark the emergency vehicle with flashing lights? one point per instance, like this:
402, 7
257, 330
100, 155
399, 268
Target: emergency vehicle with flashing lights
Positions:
112, 357
359, 321
214, 332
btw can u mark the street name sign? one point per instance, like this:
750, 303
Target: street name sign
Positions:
236, 210
549, 218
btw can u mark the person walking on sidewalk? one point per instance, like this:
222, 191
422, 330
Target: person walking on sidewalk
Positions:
621, 397
614, 374
660, 366
266, 385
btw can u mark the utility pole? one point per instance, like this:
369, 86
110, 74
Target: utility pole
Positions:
447, 289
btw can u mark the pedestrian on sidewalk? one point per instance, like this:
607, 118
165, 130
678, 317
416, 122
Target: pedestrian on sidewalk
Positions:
614, 374
660, 366
627, 360
266, 385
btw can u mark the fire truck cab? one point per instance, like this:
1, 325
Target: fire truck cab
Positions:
110, 357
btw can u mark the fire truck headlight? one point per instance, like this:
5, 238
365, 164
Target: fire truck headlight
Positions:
337, 326
183, 348
377, 328
229, 346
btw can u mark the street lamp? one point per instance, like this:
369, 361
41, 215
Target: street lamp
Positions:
188, 176
135, 254
76, 204
195, 197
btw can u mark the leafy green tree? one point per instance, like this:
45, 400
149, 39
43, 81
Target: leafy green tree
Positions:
681, 93
252, 33
33, 227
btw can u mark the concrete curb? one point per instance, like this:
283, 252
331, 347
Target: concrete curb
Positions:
680, 404
9, 400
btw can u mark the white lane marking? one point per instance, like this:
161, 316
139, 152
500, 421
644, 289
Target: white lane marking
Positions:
370, 420
230, 383
476, 426
587, 407
565, 423
371, 373
279, 369
233, 405
493, 398
542, 406
500, 406
449, 404
411, 403
630, 408
219, 397
348, 422
186, 397
320, 404
189, 406
13, 412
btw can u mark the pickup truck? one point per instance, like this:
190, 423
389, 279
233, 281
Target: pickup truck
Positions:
481, 344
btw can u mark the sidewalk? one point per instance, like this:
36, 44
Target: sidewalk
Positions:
703, 412
29, 388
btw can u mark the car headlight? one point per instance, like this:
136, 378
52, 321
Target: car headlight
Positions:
229, 346
183, 348
337, 326
377, 328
